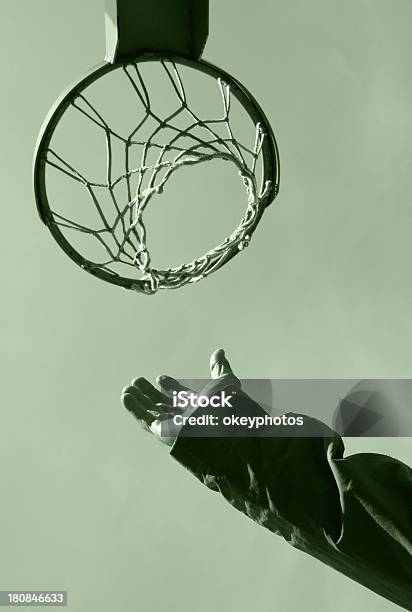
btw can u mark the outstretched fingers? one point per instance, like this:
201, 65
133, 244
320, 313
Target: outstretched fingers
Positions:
151, 407
169, 385
148, 390
137, 408
141, 399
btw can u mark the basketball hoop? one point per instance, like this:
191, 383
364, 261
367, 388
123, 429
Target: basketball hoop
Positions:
178, 139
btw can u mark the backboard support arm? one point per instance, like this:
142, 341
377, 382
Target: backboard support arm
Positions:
156, 26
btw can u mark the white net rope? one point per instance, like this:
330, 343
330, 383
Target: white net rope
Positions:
128, 244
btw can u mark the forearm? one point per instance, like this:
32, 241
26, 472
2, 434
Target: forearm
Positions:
352, 513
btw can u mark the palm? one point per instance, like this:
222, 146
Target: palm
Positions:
153, 407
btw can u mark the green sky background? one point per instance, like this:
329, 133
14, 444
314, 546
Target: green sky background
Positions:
89, 502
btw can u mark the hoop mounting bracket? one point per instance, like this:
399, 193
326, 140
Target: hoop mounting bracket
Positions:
170, 26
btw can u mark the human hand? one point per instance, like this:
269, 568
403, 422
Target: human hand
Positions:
152, 406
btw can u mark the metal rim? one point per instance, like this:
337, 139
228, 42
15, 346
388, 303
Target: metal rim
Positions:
246, 99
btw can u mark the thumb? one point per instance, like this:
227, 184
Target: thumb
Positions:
219, 365
221, 374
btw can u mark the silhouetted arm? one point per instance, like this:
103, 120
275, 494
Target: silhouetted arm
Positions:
353, 513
